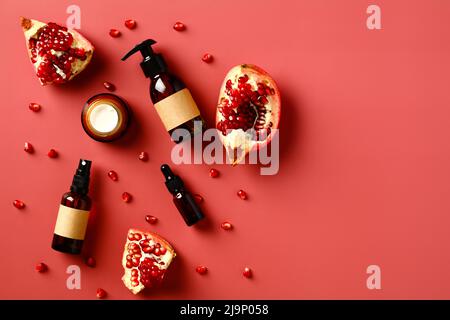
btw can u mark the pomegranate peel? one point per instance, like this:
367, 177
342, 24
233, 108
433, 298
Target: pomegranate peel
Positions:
145, 260
58, 54
248, 111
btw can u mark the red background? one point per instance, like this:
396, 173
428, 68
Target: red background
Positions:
364, 151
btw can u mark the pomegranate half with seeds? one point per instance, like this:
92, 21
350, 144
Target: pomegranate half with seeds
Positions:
145, 260
248, 111
58, 54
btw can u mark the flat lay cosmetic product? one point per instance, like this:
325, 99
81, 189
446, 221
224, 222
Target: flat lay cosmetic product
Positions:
105, 117
182, 198
73, 213
172, 100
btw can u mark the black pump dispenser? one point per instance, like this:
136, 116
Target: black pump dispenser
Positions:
80, 183
182, 199
152, 63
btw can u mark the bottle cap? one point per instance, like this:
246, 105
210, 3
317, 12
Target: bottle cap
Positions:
152, 63
80, 183
173, 182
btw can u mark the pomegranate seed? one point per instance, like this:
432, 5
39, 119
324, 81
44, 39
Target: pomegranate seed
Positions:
126, 197
151, 219
201, 270
90, 262
28, 147
247, 272
114, 33
226, 226
18, 204
52, 153
143, 156
130, 24
179, 26
113, 175
41, 267
109, 86
101, 293
198, 198
34, 107
213, 173
208, 58
242, 194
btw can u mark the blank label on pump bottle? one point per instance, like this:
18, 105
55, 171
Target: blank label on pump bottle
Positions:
177, 109
71, 223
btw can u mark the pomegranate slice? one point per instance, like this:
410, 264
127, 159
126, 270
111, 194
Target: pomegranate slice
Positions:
146, 258
248, 110
57, 53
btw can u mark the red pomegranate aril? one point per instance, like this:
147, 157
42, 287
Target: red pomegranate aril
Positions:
41, 267
19, 204
130, 24
126, 197
247, 272
208, 58
242, 194
101, 293
143, 156
28, 147
109, 86
226, 226
113, 175
151, 219
52, 153
179, 26
114, 33
201, 270
198, 198
213, 173
90, 262
35, 107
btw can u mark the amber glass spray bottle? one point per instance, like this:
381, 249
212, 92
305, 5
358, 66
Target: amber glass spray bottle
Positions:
73, 213
172, 100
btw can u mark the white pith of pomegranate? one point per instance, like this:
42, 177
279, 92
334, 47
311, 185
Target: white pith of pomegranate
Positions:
58, 54
248, 110
145, 260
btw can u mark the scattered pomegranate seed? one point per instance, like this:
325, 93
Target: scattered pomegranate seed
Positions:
90, 262
109, 86
101, 293
34, 107
208, 58
130, 24
242, 194
226, 226
151, 219
52, 153
198, 198
41, 267
201, 269
28, 147
247, 272
179, 26
126, 197
213, 173
113, 175
18, 204
143, 156
114, 33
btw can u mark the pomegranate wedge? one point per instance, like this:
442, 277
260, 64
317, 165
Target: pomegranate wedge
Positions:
248, 111
57, 53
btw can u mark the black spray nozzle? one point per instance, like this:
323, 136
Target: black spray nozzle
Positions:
80, 183
152, 63
173, 182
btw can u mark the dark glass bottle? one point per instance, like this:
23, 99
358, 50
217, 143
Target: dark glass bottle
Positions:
74, 213
182, 198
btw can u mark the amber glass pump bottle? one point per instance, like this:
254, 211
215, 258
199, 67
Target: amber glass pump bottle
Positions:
73, 213
172, 100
